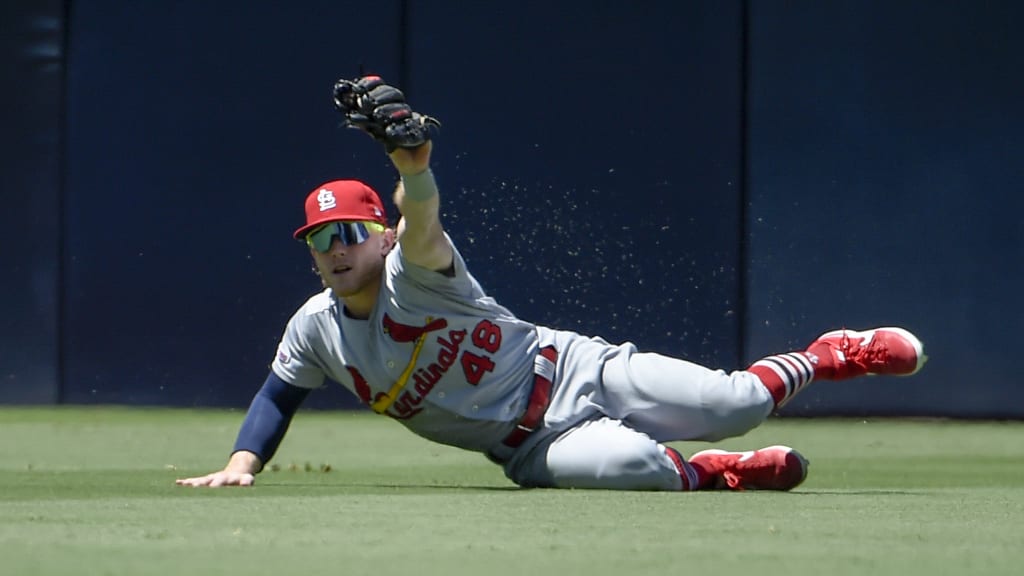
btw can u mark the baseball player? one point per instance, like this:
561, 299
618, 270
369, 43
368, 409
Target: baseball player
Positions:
404, 325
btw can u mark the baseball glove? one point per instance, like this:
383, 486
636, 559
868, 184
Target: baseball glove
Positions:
380, 110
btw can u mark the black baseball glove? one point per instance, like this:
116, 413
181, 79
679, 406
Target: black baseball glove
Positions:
380, 110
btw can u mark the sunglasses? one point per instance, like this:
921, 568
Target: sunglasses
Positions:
350, 234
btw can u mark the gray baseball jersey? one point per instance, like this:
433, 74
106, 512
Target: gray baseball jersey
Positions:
469, 366
473, 373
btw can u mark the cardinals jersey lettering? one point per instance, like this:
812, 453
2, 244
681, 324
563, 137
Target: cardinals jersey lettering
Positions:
467, 381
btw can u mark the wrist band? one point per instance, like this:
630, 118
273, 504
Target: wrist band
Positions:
420, 187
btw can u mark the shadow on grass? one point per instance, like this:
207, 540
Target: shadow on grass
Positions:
388, 486
860, 493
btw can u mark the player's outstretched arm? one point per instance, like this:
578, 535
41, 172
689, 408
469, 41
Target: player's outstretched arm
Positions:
265, 424
380, 110
240, 471
419, 231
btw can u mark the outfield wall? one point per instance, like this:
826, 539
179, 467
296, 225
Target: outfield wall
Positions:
714, 180
32, 69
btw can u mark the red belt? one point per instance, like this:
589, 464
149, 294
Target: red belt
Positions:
540, 397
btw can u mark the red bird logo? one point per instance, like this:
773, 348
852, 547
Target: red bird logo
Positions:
406, 333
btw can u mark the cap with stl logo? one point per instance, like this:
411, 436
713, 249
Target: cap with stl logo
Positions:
349, 200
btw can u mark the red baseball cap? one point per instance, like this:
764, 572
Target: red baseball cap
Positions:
342, 200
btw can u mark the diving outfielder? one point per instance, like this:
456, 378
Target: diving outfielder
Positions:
403, 325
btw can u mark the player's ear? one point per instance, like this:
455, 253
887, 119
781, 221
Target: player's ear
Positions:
389, 241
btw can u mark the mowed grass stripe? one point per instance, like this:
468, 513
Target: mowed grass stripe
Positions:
91, 492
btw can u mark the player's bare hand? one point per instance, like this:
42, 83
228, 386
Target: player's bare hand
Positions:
217, 479
412, 160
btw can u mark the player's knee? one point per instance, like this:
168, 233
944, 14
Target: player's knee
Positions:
640, 465
737, 406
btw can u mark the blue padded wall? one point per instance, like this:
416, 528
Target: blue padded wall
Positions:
31, 211
713, 180
590, 162
886, 176
195, 132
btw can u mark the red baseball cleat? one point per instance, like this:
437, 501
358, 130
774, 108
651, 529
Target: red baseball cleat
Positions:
771, 468
843, 354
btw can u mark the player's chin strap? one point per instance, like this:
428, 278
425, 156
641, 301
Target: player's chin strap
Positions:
384, 401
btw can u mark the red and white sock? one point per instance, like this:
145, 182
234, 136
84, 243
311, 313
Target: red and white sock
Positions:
687, 473
784, 375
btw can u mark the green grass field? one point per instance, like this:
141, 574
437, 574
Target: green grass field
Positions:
91, 491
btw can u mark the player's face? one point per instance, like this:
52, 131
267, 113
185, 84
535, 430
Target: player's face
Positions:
349, 257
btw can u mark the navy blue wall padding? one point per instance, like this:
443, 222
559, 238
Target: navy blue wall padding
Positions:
589, 162
32, 75
887, 147
713, 180
195, 132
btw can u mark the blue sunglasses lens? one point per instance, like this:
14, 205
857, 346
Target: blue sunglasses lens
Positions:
350, 234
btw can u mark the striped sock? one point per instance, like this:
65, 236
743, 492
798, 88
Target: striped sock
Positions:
784, 374
687, 473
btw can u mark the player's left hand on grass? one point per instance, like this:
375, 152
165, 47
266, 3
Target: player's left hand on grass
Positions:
381, 111
240, 470
218, 479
